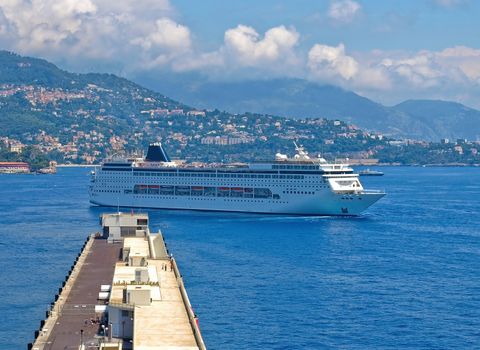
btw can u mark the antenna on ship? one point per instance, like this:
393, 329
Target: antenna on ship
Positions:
296, 146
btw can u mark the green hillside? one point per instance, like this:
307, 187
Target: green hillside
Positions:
297, 98
82, 118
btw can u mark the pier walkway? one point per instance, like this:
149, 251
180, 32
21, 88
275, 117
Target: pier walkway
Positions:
79, 308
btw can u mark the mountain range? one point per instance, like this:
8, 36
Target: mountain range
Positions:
83, 118
429, 120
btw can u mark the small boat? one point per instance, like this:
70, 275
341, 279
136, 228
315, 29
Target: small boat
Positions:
369, 172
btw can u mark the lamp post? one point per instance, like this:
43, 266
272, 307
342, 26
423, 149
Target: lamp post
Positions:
103, 331
81, 338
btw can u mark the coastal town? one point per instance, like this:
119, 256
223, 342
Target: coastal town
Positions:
78, 122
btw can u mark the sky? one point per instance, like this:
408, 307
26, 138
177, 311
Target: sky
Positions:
387, 50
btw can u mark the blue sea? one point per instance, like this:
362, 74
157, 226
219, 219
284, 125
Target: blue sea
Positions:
405, 275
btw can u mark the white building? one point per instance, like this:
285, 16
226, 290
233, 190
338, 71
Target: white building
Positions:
147, 302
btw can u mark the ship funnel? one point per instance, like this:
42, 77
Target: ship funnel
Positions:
156, 153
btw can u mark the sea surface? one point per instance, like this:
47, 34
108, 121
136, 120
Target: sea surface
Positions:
405, 275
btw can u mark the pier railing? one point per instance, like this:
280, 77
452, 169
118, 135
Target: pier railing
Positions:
58, 306
188, 307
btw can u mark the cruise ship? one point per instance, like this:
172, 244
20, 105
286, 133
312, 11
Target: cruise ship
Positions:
301, 185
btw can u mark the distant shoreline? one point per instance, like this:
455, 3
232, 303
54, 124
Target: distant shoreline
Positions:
354, 165
76, 165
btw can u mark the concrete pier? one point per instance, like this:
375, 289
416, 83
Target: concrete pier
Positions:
124, 292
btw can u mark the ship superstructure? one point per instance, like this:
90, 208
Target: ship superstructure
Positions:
300, 185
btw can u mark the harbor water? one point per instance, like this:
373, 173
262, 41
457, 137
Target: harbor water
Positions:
403, 275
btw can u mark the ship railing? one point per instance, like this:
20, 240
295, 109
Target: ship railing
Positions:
382, 191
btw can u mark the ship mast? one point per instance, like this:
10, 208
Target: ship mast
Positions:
301, 153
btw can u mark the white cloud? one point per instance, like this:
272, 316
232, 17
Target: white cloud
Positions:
245, 51
248, 48
435, 69
85, 29
463, 58
36, 24
128, 35
329, 62
343, 10
453, 73
419, 71
168, 35
332, 65
165, 43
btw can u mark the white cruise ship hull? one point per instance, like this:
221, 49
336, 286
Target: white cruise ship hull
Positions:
325, 203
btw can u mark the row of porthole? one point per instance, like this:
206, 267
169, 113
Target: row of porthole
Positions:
204, 184
225, 199
299, 192
288, 192
216, 179
236, 200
